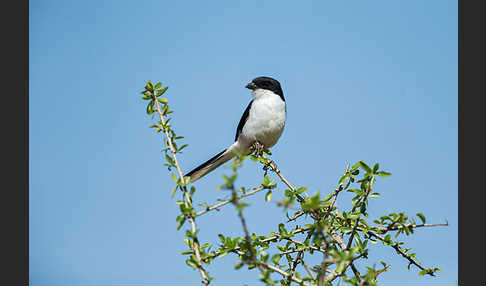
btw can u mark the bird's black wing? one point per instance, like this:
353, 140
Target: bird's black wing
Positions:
243, 119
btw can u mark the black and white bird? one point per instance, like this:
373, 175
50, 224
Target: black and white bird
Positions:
263, 121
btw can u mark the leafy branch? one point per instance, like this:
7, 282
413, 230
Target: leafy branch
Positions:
154, 94
315, 227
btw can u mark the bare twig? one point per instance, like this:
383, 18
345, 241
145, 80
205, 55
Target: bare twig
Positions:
285, 274
247, 233
336, 192
296, 261
308, 270
270, 239
279, 174
296, 216
338, 238
401, 252
301, 243
412, 226
382, 270
217, 206
276, 269
335, 274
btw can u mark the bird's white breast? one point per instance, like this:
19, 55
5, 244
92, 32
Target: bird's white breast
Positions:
266, 120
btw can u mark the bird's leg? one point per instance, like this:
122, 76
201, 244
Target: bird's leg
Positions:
258, 147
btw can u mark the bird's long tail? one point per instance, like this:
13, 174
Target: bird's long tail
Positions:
213, 163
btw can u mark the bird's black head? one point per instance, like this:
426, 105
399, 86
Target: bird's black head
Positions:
268, 83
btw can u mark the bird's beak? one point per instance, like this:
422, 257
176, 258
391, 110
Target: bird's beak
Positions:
251, 86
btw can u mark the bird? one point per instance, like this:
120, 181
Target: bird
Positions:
262, 123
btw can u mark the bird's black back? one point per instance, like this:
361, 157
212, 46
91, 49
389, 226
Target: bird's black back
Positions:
243, 119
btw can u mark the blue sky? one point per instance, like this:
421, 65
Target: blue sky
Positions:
373, 81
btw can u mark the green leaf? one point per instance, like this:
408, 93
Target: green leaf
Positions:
276, 258
301, 190
281, 229
387, 238
328, 197
158, 85
207, 244
383, 174
173, 191
149, 85
186, 180
169, 160
355, 166
375, 168
267, 182
187, 252
174, 177
150, 107
359, 192
180, 219
374, 195
241, 206
354, 216
204, 205
253, 158
268, 196
343, 178
191, 263
182, 147
239, 265
423, 272
221, 237
288, 193
346, 229
163, 100
422, 217
162, 91
365, 167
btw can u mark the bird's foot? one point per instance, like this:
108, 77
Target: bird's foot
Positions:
258, 147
